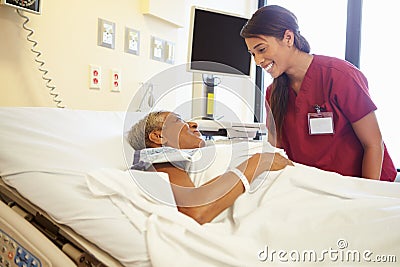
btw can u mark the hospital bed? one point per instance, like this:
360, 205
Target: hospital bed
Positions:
68, 198
50, 150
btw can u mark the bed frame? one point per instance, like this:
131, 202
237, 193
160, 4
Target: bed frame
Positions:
49, 244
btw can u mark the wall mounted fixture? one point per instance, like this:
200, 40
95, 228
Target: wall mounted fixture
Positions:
106, 33
132, 41
157, 49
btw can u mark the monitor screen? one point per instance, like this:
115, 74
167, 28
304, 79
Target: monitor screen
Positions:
215, 45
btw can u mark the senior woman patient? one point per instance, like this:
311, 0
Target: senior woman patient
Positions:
164, 129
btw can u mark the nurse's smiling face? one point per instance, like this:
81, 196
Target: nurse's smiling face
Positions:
270, 53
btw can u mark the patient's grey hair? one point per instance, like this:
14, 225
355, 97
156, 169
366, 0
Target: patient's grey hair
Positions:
138, 136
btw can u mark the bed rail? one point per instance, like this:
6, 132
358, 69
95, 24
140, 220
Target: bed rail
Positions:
37, 235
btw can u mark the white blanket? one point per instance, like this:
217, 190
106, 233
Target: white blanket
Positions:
298, 216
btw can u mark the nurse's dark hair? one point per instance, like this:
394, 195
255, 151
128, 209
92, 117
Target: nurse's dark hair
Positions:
274, 20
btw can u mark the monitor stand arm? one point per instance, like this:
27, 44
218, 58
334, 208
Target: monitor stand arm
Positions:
209, 84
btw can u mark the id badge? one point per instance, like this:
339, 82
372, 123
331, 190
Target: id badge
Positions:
320, 123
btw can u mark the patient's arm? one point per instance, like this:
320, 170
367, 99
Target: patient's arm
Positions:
204, 203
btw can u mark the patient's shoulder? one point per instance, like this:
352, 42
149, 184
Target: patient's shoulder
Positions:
177, 175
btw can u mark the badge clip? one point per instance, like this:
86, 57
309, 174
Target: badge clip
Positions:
320, 122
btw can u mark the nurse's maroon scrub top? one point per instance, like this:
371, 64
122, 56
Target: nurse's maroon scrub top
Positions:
338, 87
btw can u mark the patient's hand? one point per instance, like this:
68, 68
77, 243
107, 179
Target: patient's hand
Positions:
279, 162
261, 162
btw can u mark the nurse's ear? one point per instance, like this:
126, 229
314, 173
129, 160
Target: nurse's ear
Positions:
288, 38
157, 138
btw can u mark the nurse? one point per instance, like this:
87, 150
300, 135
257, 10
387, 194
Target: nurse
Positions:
322, 113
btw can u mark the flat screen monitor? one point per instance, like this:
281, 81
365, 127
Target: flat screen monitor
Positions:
215, 44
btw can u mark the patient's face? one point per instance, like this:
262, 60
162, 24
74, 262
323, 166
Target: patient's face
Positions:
180, 134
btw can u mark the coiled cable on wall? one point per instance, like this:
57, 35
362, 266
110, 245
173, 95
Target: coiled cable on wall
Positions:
52, 89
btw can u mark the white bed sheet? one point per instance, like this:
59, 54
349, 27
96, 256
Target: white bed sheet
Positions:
67, 200
293, 211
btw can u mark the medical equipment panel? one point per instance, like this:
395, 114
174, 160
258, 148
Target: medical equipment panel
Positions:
14, 254
17, 250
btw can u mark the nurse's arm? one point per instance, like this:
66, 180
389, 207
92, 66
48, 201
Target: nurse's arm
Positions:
369, 134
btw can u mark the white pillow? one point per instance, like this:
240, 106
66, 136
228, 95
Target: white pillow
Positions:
62, 140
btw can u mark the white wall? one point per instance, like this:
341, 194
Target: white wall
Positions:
66, 33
